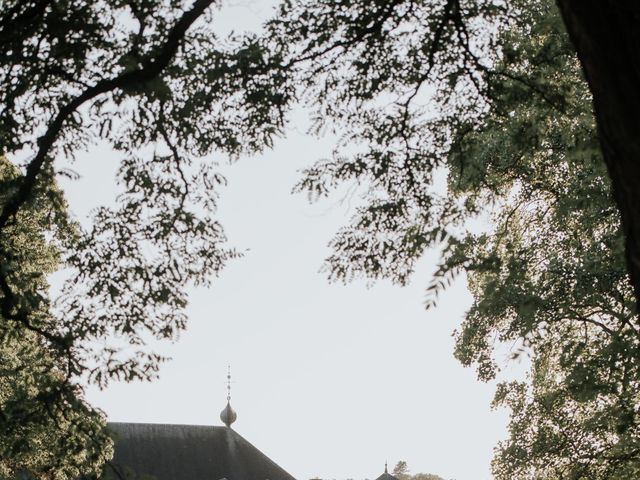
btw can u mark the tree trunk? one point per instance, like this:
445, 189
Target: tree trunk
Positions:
606, 35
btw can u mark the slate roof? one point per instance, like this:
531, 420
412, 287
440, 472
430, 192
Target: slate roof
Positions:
146, 451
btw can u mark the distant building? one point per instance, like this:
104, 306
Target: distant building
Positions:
147, 451
386, 475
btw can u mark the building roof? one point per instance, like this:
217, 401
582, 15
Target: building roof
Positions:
186, 452
386, 475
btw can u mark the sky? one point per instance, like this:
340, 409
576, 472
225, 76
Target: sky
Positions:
329, 380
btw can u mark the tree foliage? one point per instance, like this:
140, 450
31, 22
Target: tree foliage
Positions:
150, 79
422, 89
66, 438
486, 94
550, 276
401, 472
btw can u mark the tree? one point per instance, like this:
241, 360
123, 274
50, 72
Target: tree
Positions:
421, 88
508, 119
464, 27
551, 277
67, 438
150, 79
401, 471
605, 37
426, 476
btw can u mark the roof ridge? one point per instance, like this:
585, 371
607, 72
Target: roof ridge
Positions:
167, 424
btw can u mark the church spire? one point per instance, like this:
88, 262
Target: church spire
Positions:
228, 416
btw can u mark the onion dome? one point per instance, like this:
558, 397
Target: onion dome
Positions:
228, 416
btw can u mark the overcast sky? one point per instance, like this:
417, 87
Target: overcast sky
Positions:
329, 380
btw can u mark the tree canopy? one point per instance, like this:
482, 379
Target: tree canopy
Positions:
47, 429
401, 472
508, 118
150, 79
449, 111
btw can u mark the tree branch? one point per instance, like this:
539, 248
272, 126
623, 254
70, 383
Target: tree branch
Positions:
150, 70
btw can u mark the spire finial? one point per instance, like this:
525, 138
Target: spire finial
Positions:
385, 467
227, 415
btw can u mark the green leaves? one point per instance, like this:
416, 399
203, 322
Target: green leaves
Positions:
492, 96
446, 111
141, 76
46, 427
